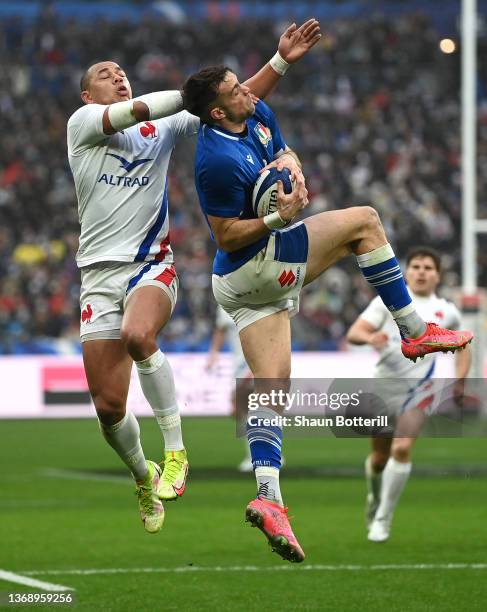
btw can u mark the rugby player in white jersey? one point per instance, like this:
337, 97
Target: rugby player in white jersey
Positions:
119, 150
263, 262
225, 329
388, 467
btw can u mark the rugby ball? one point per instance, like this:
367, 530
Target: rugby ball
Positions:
264, 195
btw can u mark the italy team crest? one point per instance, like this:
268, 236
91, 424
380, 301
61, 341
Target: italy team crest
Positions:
263, 133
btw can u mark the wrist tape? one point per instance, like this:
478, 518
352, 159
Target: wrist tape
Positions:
274, 221
278, 64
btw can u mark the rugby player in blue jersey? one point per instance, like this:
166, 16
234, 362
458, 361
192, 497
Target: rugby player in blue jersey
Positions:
262, 263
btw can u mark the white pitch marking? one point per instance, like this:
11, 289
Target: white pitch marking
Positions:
256, 568
38, 503
31, 582
75, 475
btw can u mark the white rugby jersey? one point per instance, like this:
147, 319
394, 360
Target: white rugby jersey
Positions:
121, 185
225, 322
392, 363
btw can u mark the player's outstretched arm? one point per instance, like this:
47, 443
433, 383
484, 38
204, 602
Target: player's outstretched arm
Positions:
363, 332
122, 115
293, 44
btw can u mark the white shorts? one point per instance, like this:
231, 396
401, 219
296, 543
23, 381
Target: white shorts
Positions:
269, 282
423, 395
398, 396
106, 287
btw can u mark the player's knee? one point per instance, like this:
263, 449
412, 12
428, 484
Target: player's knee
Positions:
363, 222
109, 407
370, 220
401, 450
140, 342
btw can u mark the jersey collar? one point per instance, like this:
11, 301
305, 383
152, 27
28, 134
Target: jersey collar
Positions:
227, 134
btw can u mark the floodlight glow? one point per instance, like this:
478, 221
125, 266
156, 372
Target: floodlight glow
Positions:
447, 45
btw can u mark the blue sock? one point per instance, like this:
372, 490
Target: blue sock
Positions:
381, 269
265, 441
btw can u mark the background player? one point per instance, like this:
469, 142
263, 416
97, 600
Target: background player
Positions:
225, 329
388, 467
237, 139
129, 283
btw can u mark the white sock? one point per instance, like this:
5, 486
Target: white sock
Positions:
248, 456
157, 382
124, 438
394, 478
268, 484
373, 479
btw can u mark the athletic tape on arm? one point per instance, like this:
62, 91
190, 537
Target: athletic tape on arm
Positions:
160, 104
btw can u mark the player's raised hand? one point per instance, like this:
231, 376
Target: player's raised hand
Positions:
295, 42
289, 204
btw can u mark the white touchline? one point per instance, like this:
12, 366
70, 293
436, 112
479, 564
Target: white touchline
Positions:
256, 568
75, 475
31, 582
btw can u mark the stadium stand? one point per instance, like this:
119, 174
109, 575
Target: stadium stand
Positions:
373, 112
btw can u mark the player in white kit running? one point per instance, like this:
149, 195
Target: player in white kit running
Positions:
119, 150
388, 467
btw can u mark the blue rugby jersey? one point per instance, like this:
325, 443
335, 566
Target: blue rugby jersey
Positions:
226, 168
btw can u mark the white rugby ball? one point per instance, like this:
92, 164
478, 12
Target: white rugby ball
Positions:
264, 195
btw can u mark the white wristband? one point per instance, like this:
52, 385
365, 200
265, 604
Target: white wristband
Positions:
278, 64
274, 221
162, 103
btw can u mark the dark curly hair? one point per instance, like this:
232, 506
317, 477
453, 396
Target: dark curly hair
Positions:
424, 251
201, 89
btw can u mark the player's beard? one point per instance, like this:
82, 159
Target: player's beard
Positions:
241, 116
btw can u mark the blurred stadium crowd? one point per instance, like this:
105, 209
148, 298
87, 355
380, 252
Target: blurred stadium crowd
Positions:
373, 112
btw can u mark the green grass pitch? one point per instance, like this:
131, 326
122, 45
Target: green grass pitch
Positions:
53, 521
